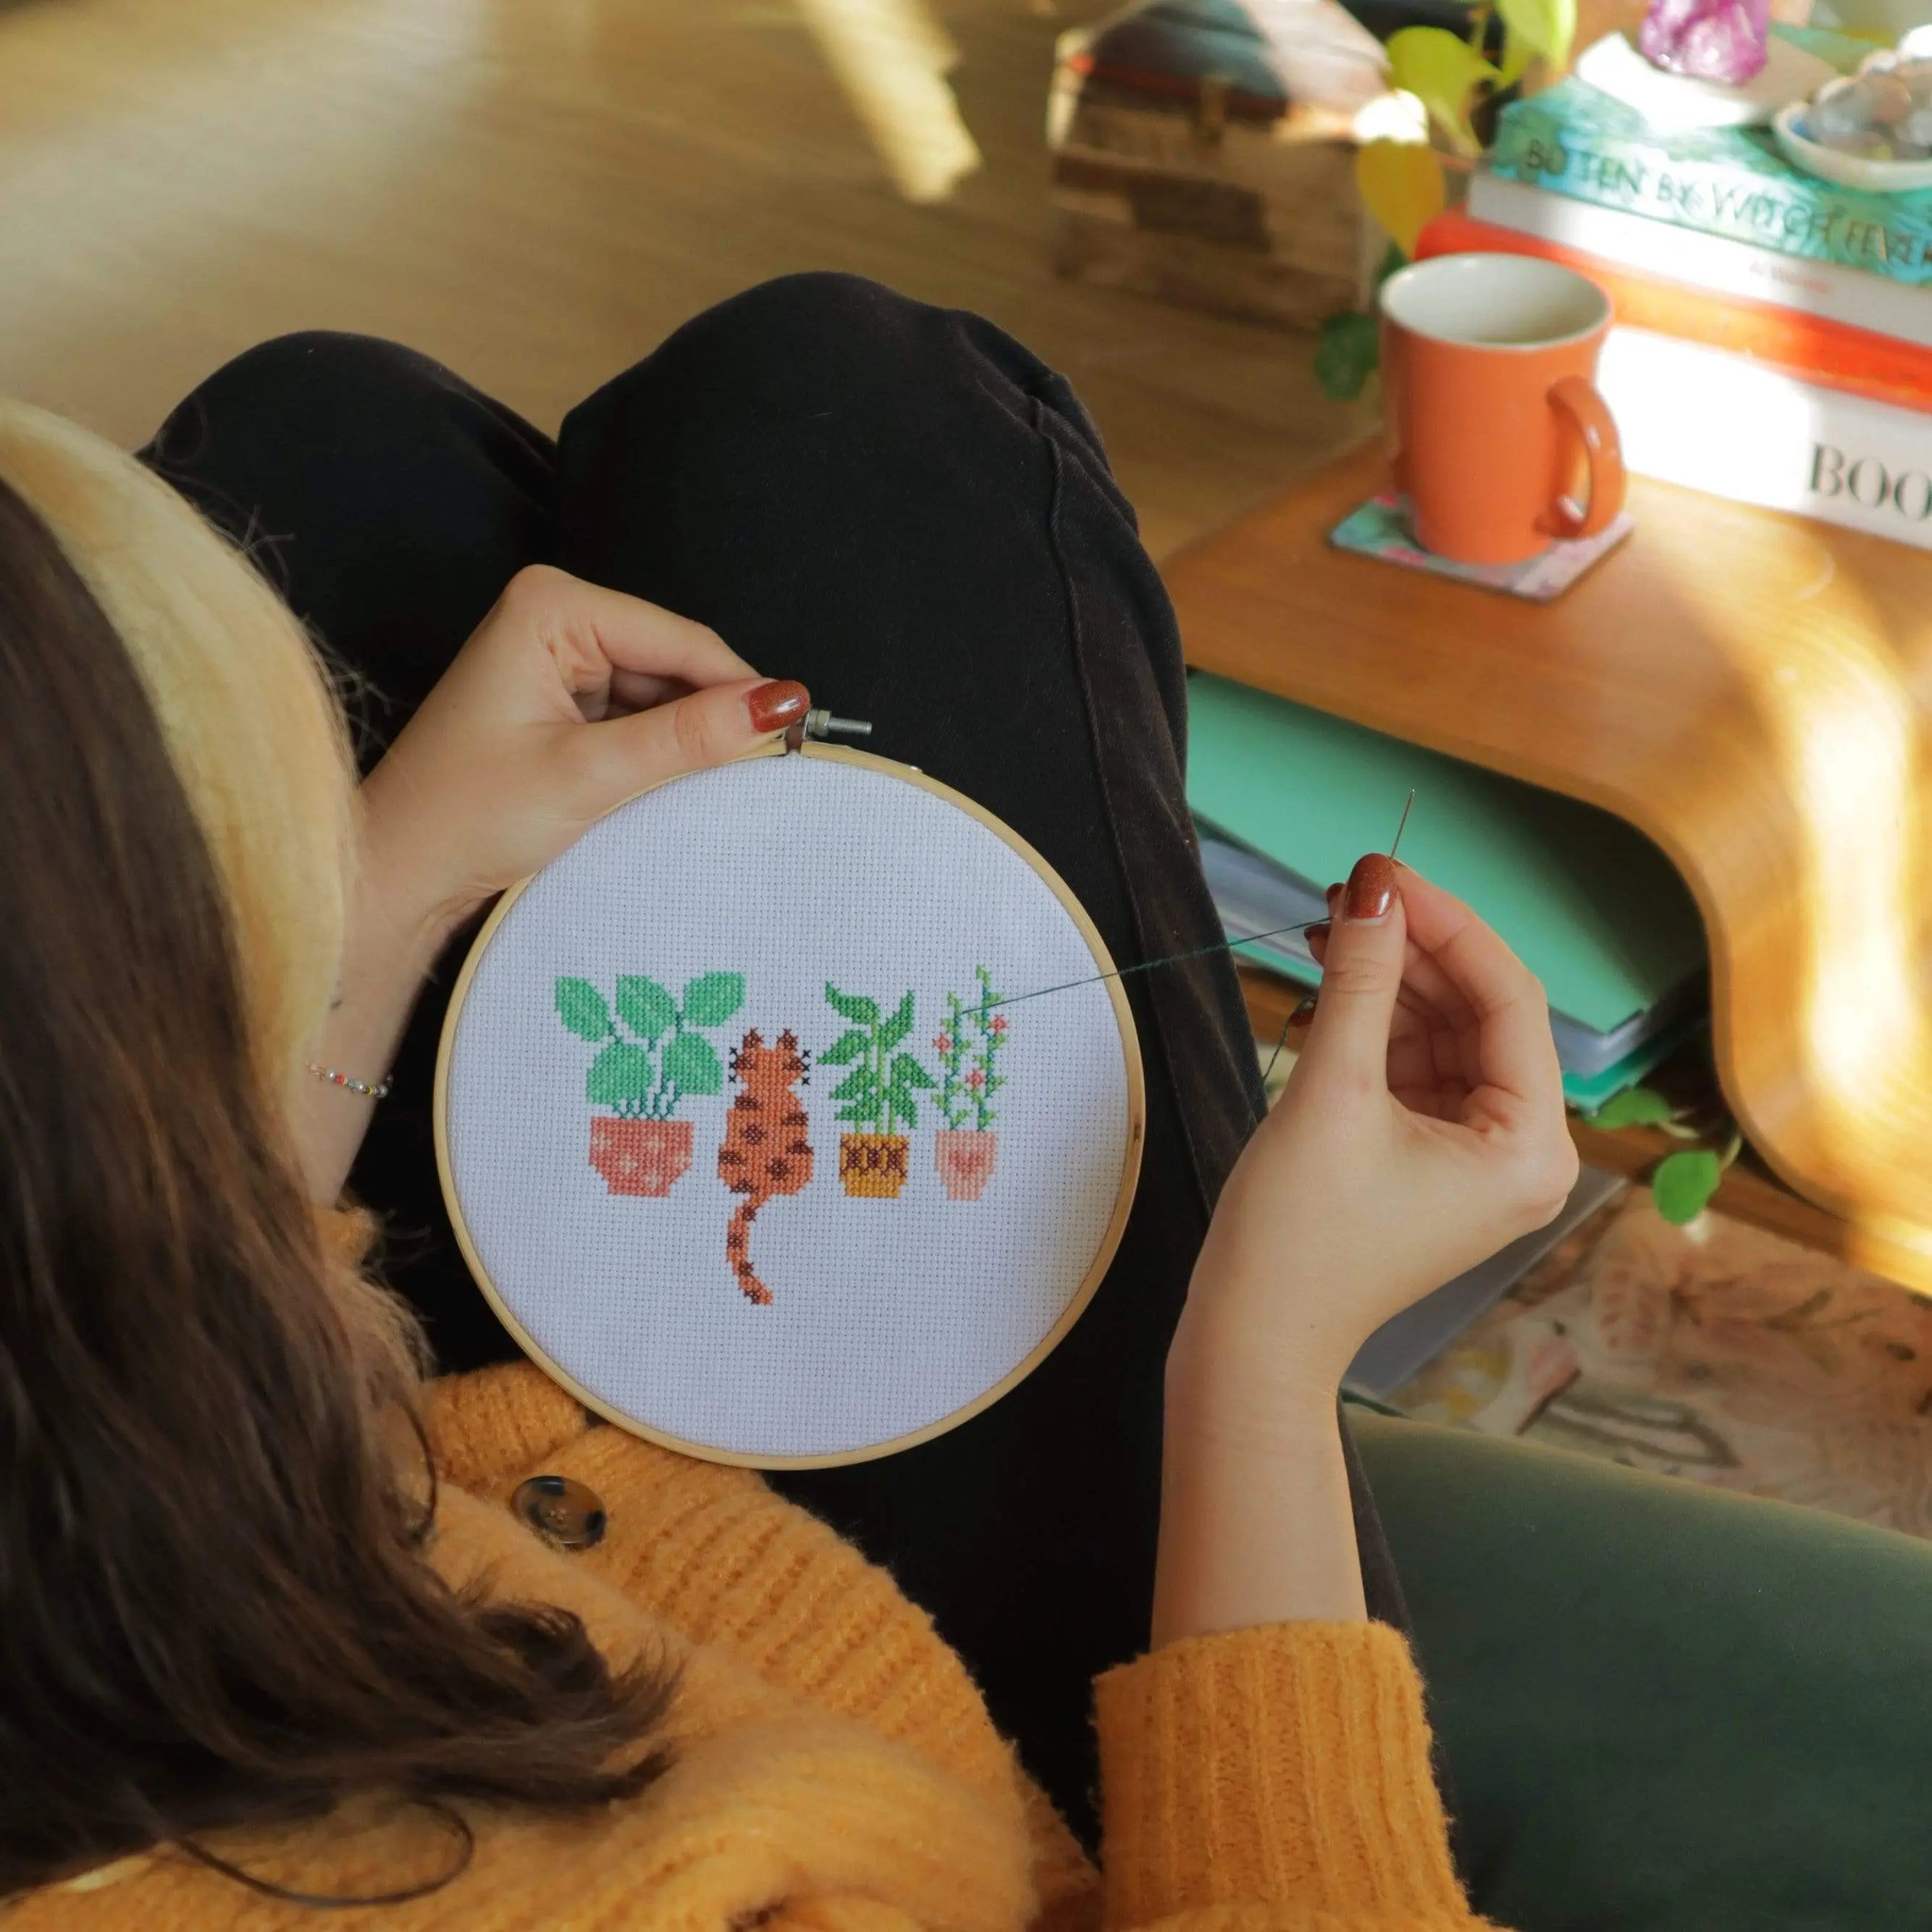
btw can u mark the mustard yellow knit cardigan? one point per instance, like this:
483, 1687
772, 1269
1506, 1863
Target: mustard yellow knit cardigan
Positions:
835, 1769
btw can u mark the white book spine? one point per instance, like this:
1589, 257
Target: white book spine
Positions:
1713, 421
1708, 262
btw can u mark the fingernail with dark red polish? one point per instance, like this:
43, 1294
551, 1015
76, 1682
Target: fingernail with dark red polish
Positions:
773, 705
1334, 893
1372, 886
1319, 930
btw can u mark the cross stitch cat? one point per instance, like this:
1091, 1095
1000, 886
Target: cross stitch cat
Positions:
765, 1152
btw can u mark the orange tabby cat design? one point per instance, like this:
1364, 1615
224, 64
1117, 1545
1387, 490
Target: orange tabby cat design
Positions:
765, 1152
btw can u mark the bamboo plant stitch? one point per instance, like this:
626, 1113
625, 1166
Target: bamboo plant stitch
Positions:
880, 1092
652, 1056
966, 1150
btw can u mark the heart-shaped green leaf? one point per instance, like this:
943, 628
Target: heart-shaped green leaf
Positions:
1443, 71
712, 998
1401, 185
1346, 356
1634, 1107
906, 1072
645, 1005
1545, 27
581, 1006
622, 1072
692, 1066
1517, 55
1682, 1183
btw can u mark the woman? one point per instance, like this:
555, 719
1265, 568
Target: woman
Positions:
254, 1653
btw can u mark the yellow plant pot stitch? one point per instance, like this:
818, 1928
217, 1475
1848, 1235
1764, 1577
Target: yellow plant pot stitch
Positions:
873, 1167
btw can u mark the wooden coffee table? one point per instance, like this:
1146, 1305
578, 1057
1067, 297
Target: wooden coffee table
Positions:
1752, 691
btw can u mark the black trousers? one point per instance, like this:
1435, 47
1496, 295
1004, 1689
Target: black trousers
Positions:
904, 509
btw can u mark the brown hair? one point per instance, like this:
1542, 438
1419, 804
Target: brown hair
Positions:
214, 1608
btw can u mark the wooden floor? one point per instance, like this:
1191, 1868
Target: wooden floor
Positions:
537, 191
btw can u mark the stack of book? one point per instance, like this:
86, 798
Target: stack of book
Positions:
1773, 341
1285, 799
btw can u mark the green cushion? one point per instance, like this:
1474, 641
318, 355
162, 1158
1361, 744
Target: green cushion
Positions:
1665, 1707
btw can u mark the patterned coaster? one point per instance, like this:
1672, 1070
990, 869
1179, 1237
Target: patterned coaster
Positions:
1380, 528
741, 1134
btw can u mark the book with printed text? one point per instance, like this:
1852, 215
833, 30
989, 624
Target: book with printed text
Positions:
1856, 360
1697, 260
1731, 182
1689, 414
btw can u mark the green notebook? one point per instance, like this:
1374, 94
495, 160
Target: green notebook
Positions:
1590, 906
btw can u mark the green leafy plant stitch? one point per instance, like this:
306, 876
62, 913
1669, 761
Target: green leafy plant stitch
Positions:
880, 1092
652, 1056
968, 1045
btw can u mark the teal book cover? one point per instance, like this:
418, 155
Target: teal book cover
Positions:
1592, 907
1576, 140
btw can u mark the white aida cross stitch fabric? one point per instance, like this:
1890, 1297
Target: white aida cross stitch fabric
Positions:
633, 969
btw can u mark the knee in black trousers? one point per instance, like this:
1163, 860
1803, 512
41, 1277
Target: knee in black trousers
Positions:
388, 500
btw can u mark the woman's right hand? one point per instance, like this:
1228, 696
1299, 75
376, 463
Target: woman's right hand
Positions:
1421, 1129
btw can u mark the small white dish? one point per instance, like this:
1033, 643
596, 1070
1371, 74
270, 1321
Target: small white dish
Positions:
1675, 100
1830, 164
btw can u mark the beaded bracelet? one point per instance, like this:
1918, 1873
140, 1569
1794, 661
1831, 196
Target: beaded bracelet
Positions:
369, 1090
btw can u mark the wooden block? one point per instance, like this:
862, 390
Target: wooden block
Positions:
1197, 188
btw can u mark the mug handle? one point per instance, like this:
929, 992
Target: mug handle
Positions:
1592, 421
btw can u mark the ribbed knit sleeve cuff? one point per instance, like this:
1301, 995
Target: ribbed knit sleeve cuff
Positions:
1289, 1765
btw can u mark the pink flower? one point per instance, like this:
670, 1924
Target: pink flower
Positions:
976, 1080
943, 1043
998, 1024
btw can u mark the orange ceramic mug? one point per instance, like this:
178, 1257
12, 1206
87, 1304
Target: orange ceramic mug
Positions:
1491, 417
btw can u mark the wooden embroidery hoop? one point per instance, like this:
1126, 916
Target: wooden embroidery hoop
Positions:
1103, 1255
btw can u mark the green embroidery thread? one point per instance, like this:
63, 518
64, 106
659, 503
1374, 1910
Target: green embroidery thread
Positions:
968, 1045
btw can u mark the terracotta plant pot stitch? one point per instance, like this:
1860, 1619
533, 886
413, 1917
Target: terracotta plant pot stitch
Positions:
873, 1166
639, 1157
965, 1157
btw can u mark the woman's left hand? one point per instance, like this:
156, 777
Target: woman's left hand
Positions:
567, 699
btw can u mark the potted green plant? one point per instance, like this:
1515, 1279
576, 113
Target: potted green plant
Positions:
651, 1057
966, 1150
1441, 84
879, 1094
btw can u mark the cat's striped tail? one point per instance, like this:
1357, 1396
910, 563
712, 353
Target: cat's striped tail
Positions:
737, 1252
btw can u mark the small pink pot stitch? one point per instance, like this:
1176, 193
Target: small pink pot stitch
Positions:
965, 1157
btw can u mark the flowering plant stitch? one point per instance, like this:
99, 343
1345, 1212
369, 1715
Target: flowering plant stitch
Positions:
966, 1150
968, 1046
